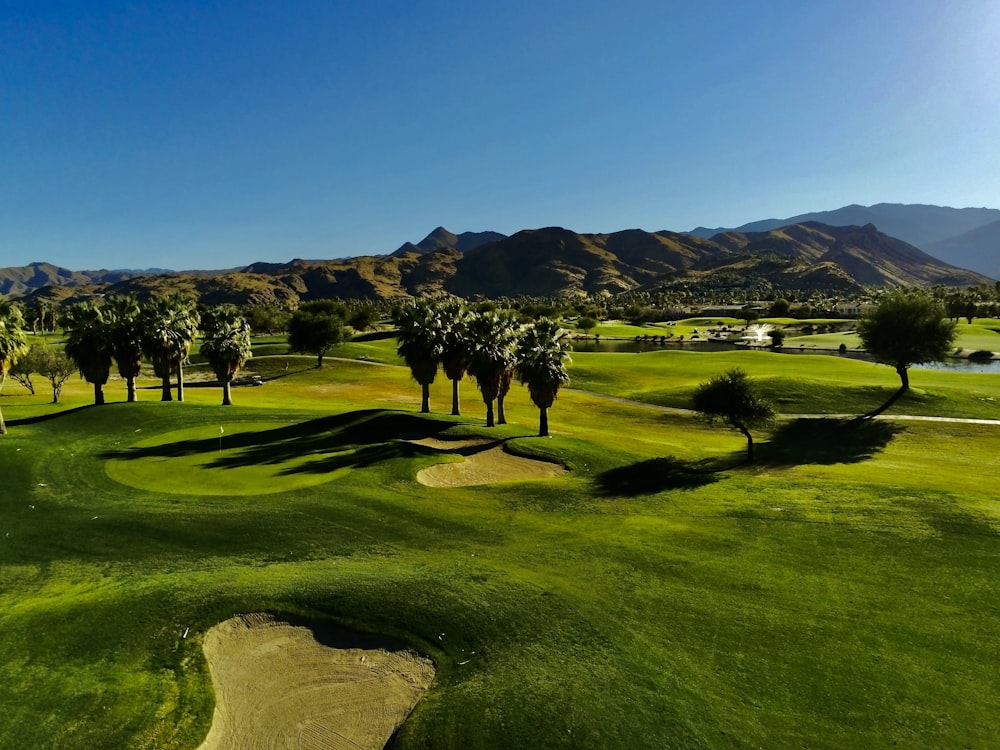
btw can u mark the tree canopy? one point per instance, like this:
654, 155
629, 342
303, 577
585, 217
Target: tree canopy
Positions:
13, 343
734, 399
226, 347
420, 331
88, 344
542, 354
906, 328
316, 327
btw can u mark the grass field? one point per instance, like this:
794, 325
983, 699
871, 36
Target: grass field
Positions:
842, 591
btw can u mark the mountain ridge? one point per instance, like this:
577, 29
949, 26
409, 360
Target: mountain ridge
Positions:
550, 261
931, 228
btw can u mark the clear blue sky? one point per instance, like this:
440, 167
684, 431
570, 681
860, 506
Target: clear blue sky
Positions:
211, 134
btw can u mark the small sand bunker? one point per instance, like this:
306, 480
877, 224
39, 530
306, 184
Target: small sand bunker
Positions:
277, 687
485, 462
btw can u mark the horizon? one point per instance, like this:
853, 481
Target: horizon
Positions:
215, 136
248, 263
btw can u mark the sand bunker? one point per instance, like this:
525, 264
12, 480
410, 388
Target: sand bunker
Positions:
277, 687
485, 462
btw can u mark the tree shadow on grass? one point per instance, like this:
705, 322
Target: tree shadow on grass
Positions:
826, 441
354, 439
657, 475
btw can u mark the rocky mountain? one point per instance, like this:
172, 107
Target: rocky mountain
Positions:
927, 227
554, 261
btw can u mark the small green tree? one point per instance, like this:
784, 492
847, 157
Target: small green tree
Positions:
907, 327
316, 327
733, 398
586, 324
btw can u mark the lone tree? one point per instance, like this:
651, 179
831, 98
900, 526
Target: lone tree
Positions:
13, 343
420, 331
907, 327
542, 354
733, 398
226, 346
316, 327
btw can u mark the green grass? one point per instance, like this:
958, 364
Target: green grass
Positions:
840, 592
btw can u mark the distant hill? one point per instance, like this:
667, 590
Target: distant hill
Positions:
22, 280
553, 261
441, 238
923, 226
980, 247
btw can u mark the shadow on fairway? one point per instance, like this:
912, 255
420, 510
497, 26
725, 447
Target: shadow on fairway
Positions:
657, 475
355, 439
826, 441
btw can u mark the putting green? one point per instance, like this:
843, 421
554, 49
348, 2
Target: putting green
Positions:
251, 458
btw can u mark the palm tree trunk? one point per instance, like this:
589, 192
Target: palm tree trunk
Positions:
425, 398
3, 377
501, 415
227, 399
543, 422
166, 395
489, 414
130, 384
180, 381
454, 398
98, 394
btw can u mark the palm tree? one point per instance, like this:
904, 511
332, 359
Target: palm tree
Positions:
420, 333
493, 335
88, 344
169, 327
227, 348
542, 354
456, 347
124, 317
13, 343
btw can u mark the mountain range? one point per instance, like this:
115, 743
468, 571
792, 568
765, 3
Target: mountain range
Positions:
808, 256
964, 237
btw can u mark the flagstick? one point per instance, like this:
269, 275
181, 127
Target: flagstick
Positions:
221, 431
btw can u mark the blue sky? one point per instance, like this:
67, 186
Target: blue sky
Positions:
215, 134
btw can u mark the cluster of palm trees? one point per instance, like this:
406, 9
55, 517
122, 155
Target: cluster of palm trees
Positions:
488, 344
122, 331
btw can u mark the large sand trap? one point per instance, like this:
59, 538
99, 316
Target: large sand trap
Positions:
276, 687
482, 465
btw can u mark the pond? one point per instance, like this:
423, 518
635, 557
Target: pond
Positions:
633, 346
